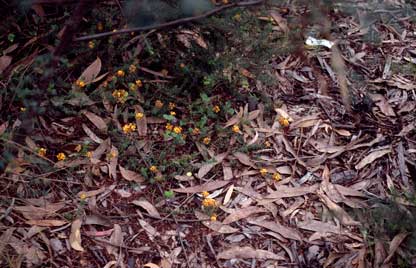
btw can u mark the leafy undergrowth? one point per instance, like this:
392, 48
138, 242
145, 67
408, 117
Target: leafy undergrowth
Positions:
223, 143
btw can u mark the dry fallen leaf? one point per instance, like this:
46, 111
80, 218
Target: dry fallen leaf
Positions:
209, 186
116, 241
5, 62
205, 168
75, 236
91, 72
215, 225
339, 212
244, 159
394, 245
248, 253
242, 213
275, 226
131, 175
148, 207
96, 120
46, 223
371, 157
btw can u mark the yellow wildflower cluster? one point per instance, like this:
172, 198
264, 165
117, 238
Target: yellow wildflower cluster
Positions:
61, 157
23, 109
158, 104
209, 203
132, 86
182, 65
120, 95
78, 148
276, 176
236, 129
88, 154
139, 83
169, 127
120, 73
153, 169
128, 128
91, 44
216, 109
263, 171
172, 113
205, 194
139, 115
132, 68
100, 26
213, 217
80, 83
206, 140
196, 131
177, 130
267, 144
283, 121
83, 196
42, 152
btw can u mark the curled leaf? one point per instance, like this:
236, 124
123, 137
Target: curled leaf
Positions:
75, 236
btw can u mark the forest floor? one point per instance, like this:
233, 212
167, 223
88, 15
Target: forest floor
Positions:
232, 141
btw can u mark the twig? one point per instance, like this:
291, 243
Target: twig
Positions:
171, 23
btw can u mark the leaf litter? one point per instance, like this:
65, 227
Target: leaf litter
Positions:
328, 160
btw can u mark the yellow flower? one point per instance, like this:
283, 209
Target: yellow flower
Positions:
184, 136
236, 129
267, 144
182, 65
83, 196
132, 68
91, 44
209, 202
42, 152
276, 176
127, 128
206, 140
196, 131
237, 17
153, 169
284, 122
139, 83
205, 194
88, 154
172, 105
172, 113
213, 217
177, 130
139, 116
189, 174
225, 2
216, 109
158, 104
23, 109
263, 171
61, 156
120, 95
164, 72
169, 126
113, 154
132, 86
80, 83
120, 73
100, 26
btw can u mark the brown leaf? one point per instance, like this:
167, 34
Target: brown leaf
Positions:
3, 127
275, 226
148, 207
5, 62
244, 159
91, 134
131, 175
209, 186
75, 236
242, 213
46, 223
339, 212
91, 72
4, 238
215, 225
96, 120
281, 22
248, 253
228, 194
205, 168
394, 245
31, 212
116, 240
286, 191
371, 157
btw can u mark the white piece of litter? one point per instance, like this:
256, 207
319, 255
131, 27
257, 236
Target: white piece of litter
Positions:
311, 41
